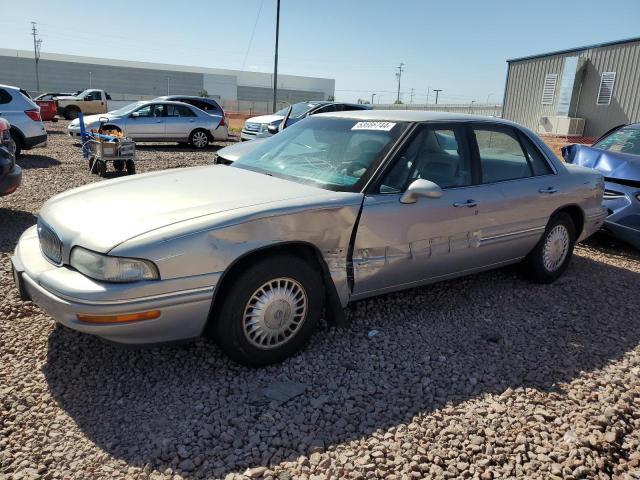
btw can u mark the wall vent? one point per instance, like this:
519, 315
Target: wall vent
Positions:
549, 89
605, 92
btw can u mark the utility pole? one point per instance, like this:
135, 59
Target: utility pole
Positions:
372, 95
90, 86
437, 90
428, 92
399, 75
36, 52
275, 62
167, 86
411, 98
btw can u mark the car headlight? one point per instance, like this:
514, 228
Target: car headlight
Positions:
264, 127
112, 269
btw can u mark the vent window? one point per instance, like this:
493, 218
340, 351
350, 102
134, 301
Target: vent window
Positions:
549, 89
605, 92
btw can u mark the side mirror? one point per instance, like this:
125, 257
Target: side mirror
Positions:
420, 188
135, 115
273, 129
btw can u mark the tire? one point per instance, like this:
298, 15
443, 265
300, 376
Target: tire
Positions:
199, 138
291, 317
551, 256
131, 167
91, 161
118, 165
17, 140
71, 113
100, 167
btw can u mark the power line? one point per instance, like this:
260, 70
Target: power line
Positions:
255, 24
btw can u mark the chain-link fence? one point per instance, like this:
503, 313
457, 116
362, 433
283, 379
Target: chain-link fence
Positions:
486, 109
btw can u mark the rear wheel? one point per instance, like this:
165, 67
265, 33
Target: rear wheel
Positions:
71, 113
270, 310
551, 256
118, 165
199, 138
100, 167
131, 167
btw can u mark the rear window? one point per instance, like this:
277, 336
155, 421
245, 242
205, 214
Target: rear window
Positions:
5, 97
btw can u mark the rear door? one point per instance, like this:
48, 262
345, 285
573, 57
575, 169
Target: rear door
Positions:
521, 190
180, 121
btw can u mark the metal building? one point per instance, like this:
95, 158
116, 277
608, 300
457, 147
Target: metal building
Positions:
130, 80
582, 91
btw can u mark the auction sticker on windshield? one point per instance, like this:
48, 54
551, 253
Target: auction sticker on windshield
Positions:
384, 126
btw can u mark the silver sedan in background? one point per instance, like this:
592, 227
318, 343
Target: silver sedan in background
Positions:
336, 208
159, 122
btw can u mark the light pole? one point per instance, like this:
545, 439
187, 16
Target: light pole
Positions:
275, 61
437, 90
90, 86
488, 97
372, 95
471, 106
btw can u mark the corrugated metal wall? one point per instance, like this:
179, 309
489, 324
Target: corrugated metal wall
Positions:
526, 79
70, 76
260, 94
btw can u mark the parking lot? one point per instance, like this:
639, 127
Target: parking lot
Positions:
488, 376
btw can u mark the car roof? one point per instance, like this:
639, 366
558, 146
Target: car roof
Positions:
193, 97
411, 116
9, 86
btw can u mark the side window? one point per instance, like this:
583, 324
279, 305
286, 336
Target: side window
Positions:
539, 163
144, 111
435, 154
93, 96
160, 110
184, 111
5, 97
328, 108
501, 156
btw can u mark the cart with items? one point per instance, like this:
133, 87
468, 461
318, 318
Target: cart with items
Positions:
107, 145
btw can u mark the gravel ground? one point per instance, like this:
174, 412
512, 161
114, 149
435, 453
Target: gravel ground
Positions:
482, 377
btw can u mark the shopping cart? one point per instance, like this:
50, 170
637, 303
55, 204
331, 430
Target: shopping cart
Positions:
121, 151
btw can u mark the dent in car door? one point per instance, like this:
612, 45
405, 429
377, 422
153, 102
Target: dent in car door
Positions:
399, 245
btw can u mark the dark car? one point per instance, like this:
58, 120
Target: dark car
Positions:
10, 173
617, 156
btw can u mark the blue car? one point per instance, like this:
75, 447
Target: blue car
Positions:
617, 156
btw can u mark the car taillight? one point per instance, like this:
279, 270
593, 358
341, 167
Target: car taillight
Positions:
223, 122
33, 115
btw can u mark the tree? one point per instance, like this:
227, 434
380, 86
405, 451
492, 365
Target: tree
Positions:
331, 98
203, 93
398, 102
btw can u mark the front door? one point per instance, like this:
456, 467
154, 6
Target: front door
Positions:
399, 245
93, 103
147, 122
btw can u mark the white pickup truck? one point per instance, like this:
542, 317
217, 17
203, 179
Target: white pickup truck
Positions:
89, 102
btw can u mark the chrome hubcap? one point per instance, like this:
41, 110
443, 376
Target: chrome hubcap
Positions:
200, 139
274, 313
556, 247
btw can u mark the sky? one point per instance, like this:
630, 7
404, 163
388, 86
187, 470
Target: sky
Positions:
459, 47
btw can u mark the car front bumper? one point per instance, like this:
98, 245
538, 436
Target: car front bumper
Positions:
183, 313
246, 135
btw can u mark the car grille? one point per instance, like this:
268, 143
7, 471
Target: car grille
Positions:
252, 127
50, 244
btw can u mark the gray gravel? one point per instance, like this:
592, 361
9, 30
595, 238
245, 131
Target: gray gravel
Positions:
483, 377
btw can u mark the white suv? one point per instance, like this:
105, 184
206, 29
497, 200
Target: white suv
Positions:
27, 129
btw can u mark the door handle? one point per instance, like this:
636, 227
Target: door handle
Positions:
548, 190
468, 204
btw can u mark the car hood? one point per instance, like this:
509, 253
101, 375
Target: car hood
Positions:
102, 215
265, 119
237, 150
617, 165
92, 119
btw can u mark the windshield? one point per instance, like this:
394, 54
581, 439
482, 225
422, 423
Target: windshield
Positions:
126, 109
297, 109
625, 140
331, 153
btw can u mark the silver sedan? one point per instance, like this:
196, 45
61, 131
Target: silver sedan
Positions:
336, 208
159, 122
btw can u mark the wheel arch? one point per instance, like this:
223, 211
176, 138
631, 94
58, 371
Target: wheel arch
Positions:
197, 129
577, 216
18, 133
302, 249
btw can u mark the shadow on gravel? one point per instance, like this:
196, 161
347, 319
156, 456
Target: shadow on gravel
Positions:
438, 345
12, 224
612, 246
28, 161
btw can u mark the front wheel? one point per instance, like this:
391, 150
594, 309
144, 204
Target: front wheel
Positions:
270, 310
199, 139
551, 256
